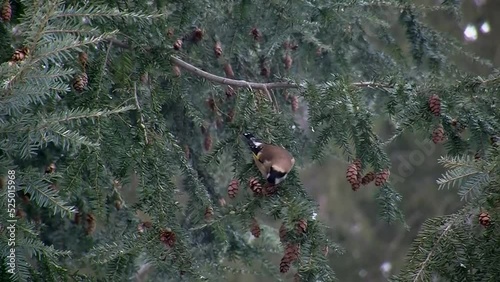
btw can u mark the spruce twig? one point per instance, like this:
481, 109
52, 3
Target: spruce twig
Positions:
142, 125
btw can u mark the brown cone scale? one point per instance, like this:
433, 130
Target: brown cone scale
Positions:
232, 189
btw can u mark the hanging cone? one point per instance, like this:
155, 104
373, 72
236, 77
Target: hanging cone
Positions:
255, 228
382, 177
302, 226
83, 58
51, 168
207, 142
217, 49
438, 135
80, 82
167, 237
178, 44
228, 70
6, 13
209, 212
197, 35
291, 254
232, 189
352, 176
287, 60
435, 105
295, 103
282, 233
368, 178
256, 34
255, 186
484, 219
91, 224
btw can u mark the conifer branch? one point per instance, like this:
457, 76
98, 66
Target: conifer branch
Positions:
431, 252
142, 125
231, 82
256, 85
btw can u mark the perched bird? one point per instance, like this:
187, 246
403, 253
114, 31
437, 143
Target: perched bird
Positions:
273, 162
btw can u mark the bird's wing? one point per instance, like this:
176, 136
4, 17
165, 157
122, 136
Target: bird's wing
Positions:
279, 157
262, 168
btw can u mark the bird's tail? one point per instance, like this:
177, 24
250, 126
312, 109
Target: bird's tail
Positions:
252, 141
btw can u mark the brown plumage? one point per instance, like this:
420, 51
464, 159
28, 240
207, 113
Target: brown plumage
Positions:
274, 156
274, 162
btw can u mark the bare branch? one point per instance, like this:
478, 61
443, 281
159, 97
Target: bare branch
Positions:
232, 82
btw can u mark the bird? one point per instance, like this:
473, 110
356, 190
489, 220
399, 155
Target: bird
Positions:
274, 162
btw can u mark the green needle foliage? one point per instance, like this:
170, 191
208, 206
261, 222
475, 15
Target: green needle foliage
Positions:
123, 174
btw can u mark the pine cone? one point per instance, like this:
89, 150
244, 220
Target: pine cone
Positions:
255, 228
368, 178
176, 70
294, 102
143, 226
265, 71
287, 60
211, 104
230, 92
382, 177
20, 54
83, 58
232, 189
296, 277
167, 237
207, 143
118, 204
197, 35
26, 198
51, 168
20, 213
302, 226
91, 224
255, 186
438, 135
352, 176
435, 105
80, 82
282, 233
76, 219
209, 212
319, 51
178, 44
255, 33
270, 189
484, 219
228, 70
217, 49
358, 164
6, 14
170, 32
230, 115
291, 254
